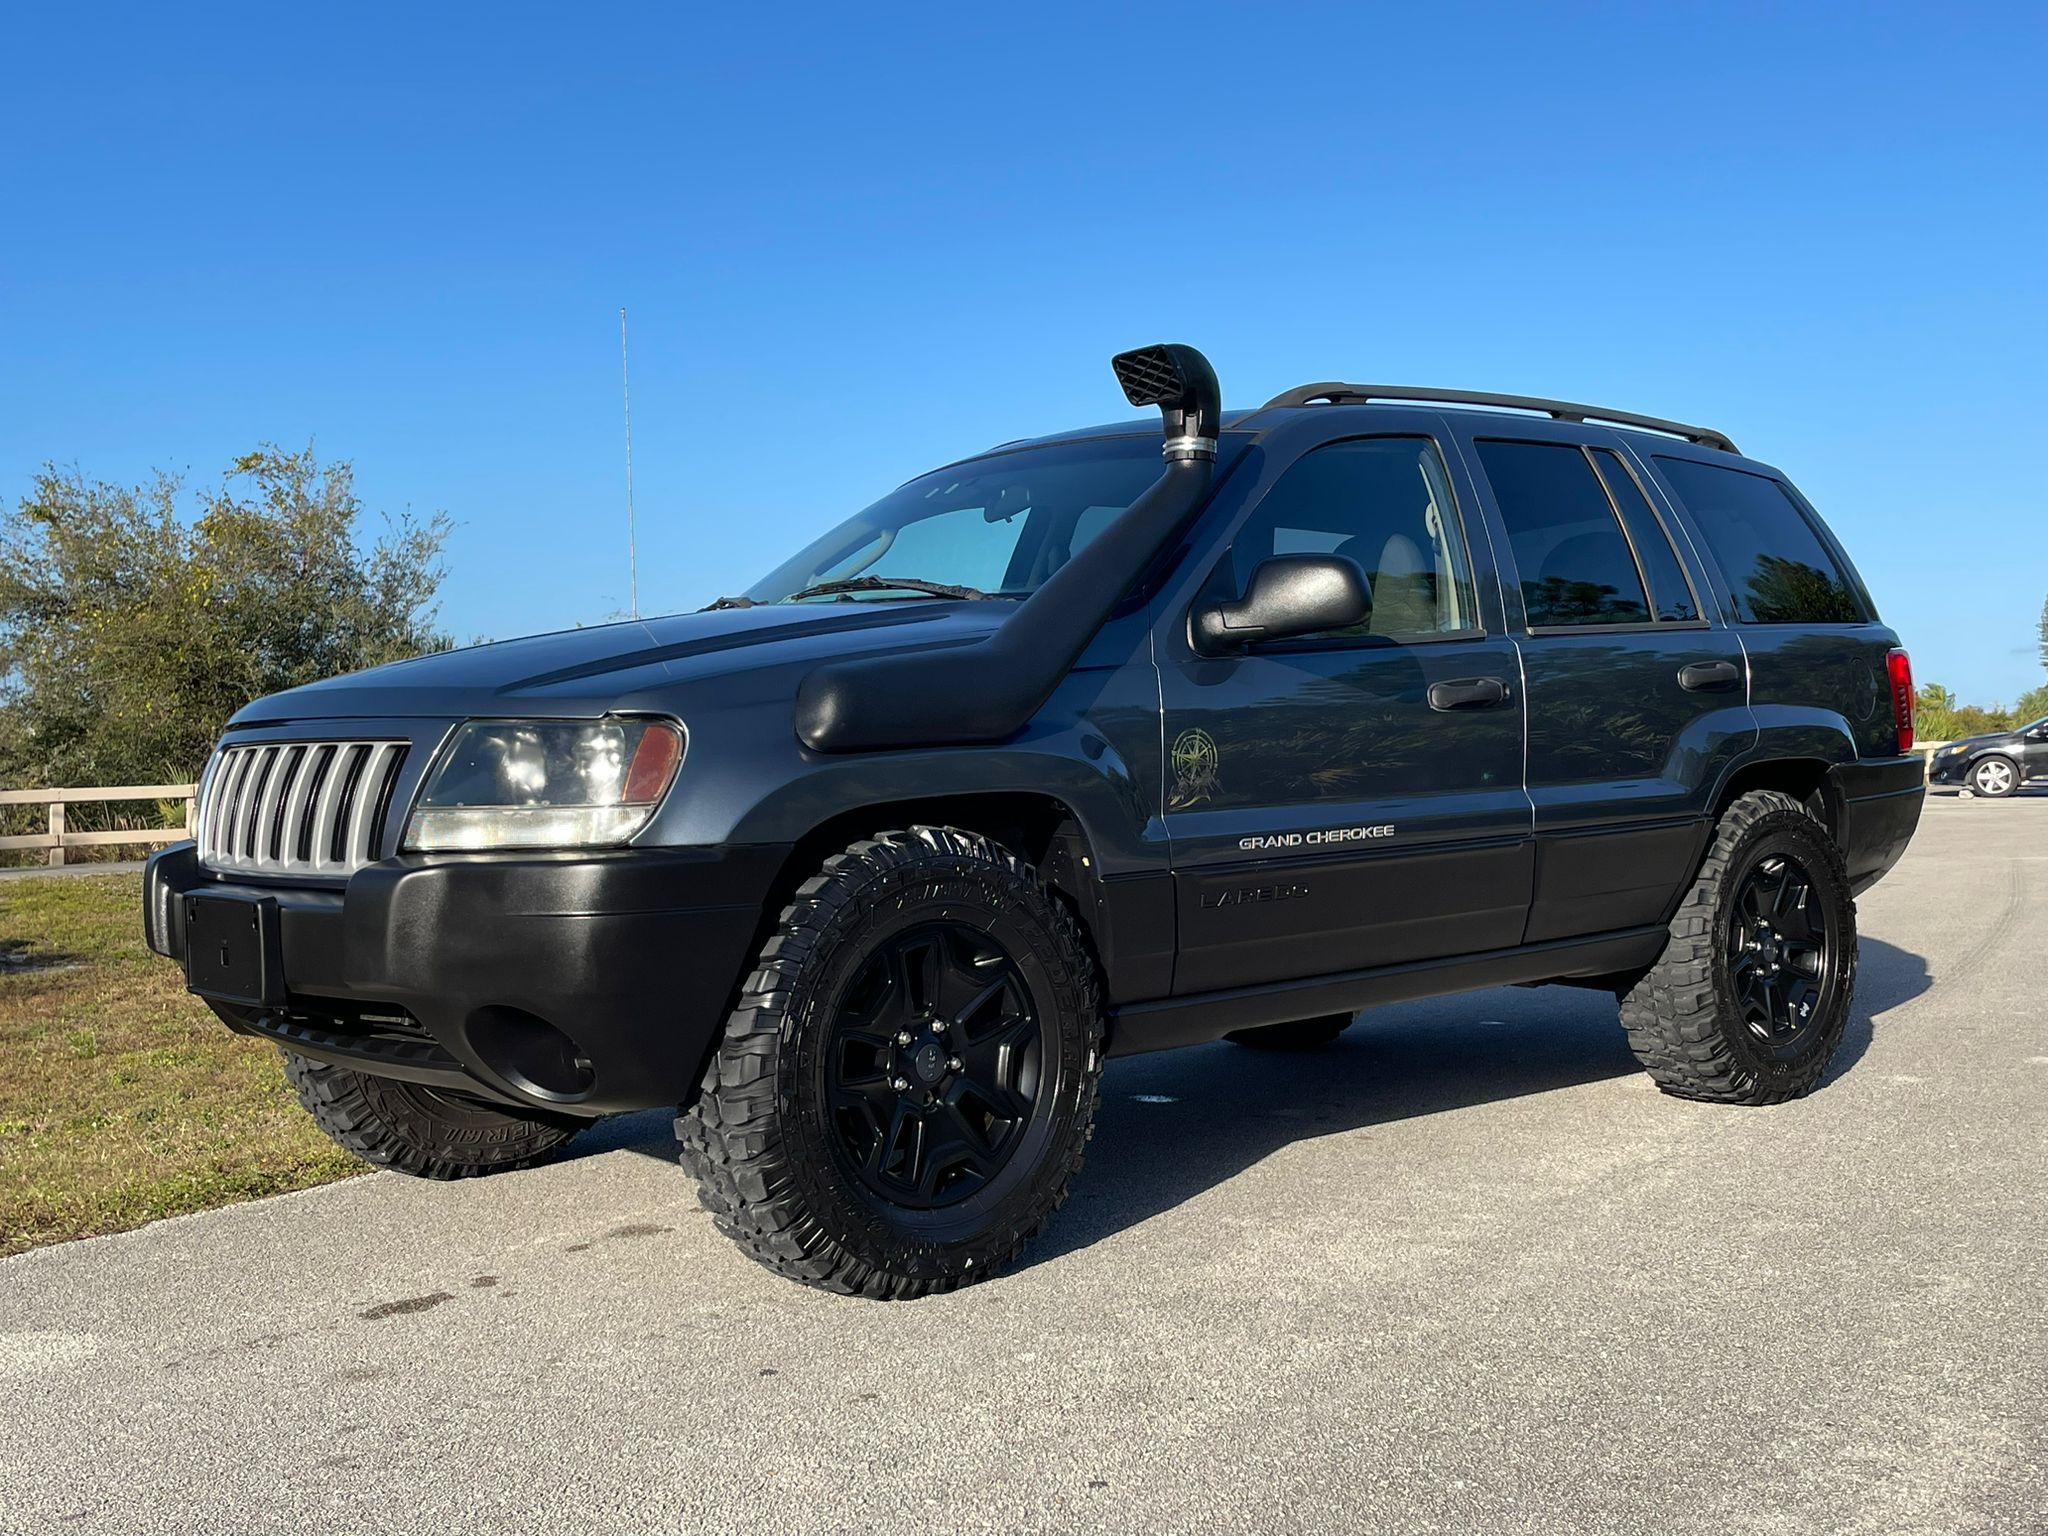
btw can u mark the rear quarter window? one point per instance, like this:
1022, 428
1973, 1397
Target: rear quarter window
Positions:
1776, 563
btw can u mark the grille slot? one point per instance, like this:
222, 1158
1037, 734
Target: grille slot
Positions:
297, 808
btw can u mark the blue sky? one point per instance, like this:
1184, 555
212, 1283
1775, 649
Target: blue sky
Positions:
857, 241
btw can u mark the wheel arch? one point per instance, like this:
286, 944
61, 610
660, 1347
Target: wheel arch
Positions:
1794, 749
1804, 778
1040, 827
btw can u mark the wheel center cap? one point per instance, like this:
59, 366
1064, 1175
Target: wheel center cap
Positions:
929, 1061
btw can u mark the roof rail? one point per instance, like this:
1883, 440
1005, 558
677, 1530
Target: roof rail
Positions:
1560, 410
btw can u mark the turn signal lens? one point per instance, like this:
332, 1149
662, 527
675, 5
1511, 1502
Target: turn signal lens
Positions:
1900, 667
653, 765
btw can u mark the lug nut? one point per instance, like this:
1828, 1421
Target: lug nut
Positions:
900, 1085
903, 1037
953, 1064
938, 1026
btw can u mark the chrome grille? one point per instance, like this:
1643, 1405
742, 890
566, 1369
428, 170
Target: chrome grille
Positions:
297, 807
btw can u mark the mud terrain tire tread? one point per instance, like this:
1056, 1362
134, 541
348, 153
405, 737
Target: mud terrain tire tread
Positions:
733, 1136
1677, 1024
397, 1126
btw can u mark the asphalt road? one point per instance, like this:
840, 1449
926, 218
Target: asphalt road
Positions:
1466, 1271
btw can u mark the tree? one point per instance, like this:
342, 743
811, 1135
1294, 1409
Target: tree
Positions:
2044, 632
129, 633
1939, 716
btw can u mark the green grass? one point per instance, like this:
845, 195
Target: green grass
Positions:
122, 1098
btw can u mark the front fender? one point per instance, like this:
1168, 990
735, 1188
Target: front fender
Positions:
1094, 747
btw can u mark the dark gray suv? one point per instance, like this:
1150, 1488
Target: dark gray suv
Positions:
1087, 745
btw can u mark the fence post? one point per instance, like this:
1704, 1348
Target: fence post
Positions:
56, 854
192, 814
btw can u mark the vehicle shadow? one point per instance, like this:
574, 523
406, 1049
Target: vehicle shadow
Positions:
1176, 1124
1886, 977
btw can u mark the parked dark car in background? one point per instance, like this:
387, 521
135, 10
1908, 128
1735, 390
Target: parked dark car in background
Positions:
1995, 765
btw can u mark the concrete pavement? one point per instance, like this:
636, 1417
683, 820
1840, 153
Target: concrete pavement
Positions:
1466, 1271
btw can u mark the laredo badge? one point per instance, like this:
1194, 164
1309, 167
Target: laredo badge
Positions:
1194, 760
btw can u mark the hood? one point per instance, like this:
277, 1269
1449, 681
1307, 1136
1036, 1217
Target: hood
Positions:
1994, 738
629, 665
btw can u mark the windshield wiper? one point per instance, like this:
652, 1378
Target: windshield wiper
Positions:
888, 584
730, 602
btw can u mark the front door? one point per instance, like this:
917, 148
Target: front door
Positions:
1354, 799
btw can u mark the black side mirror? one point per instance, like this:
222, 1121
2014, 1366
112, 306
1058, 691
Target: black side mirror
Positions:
1287, 595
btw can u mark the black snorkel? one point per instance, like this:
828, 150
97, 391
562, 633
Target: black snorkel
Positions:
987, 690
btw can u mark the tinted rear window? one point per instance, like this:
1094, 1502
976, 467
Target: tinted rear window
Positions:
1777, 565
1575, 566
1669, 590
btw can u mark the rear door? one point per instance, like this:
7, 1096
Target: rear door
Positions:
1354, 799
1638, 698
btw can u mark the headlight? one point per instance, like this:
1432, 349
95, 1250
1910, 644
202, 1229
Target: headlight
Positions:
545, 784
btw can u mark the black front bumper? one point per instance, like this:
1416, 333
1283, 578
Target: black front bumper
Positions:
458, 971
1878, 803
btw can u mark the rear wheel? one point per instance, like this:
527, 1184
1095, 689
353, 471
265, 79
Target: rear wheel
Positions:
1296, 1034
1995, 777
904, 1092
420, 1130
1750, 998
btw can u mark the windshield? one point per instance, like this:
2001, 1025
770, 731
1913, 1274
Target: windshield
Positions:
1000, 524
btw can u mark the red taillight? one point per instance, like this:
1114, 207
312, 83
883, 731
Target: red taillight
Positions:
1900, 666
654, 762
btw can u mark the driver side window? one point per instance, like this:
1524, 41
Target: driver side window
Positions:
1384, 502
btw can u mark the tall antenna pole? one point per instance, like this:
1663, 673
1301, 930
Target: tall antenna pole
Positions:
632, 531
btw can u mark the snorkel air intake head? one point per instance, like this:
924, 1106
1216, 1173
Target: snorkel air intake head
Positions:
1181, 383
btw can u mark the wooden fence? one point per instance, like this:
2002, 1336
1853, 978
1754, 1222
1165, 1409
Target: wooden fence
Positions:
57, 839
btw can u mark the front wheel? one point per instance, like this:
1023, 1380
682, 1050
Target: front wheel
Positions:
1750, 998
905, 1090
1995, 777
420, 1130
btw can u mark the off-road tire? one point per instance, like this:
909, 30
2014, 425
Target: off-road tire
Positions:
419, 1130
759, 1137
2010, 784
1681, 1018
1295, 1035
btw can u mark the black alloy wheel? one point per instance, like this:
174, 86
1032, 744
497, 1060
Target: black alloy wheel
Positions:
1780, 954
934, 1068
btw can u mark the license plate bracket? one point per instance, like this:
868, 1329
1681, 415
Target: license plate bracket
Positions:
231, 949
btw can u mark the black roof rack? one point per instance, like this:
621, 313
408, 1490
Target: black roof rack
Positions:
1560, 410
